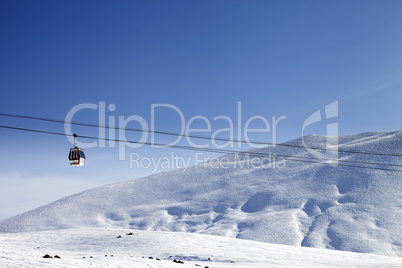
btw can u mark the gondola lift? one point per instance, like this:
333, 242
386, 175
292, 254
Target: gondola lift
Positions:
76, 155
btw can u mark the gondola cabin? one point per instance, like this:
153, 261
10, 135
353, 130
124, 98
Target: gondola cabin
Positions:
76, 157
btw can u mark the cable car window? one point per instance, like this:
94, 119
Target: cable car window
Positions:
82, 154
73, 154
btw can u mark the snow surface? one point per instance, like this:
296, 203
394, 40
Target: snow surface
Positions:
102, 248
302, 204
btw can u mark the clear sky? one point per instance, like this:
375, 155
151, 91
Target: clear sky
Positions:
275, 58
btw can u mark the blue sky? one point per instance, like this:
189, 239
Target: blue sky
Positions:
278, 58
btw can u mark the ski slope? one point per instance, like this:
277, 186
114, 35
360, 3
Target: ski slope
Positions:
102, 248
300, 204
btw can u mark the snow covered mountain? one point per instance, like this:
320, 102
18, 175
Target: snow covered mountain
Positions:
287, 202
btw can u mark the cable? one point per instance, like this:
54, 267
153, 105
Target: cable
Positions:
201, 149
256, 154
193, 136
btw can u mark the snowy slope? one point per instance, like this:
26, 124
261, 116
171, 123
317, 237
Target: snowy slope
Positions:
102, 248
303, 204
